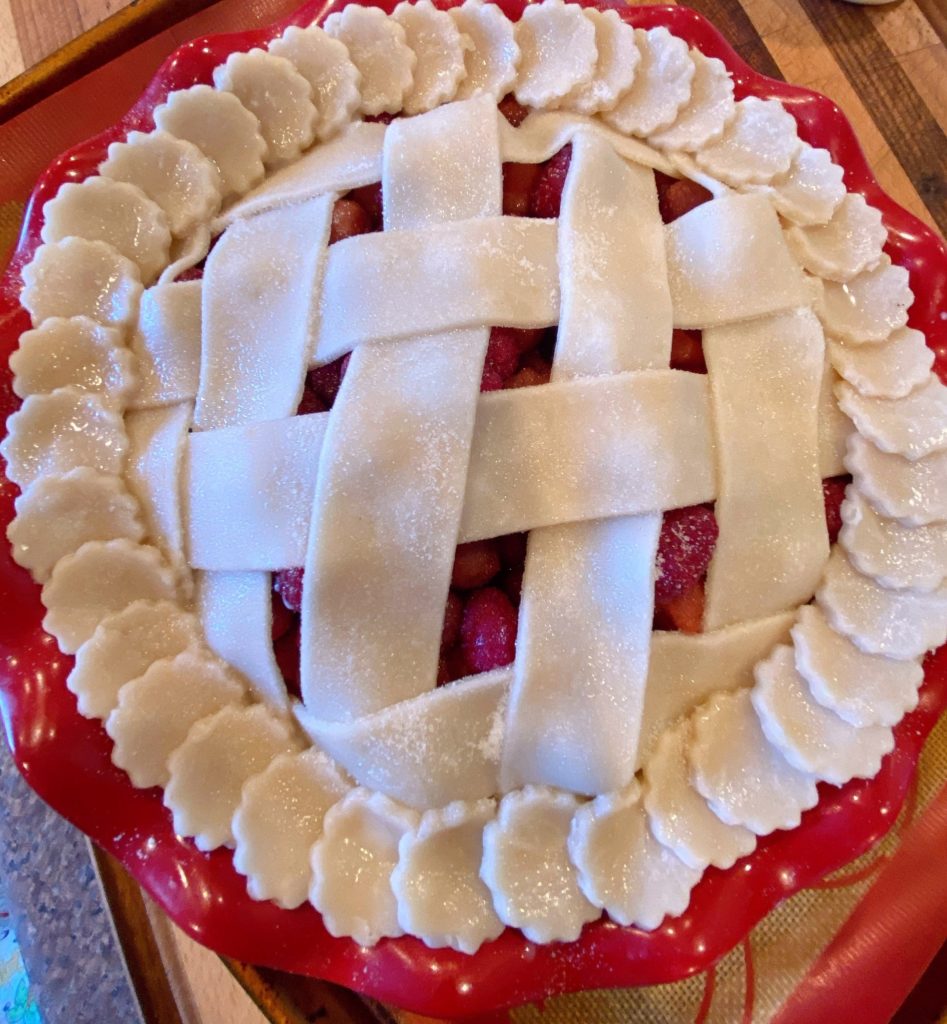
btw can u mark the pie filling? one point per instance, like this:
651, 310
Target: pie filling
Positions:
482, 469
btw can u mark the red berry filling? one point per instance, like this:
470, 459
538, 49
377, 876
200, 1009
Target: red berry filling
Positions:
546, 197
833, 494
686, 545
369, 198
349, 218
687, 351
513, 110
677, 196
475, 564
288, 583
518, 183
488, 630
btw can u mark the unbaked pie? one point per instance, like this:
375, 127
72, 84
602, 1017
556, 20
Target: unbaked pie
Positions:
482, 470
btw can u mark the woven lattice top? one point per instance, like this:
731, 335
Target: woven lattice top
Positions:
166, 474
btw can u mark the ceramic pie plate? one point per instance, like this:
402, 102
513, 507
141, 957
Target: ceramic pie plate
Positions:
66, 758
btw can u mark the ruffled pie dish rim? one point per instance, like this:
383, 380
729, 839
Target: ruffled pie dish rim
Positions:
204, 893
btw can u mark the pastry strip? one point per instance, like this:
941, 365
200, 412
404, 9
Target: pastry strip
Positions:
561, 453
773, 543
585, 616
391, 486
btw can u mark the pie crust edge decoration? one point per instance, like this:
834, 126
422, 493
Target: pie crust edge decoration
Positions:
868, 636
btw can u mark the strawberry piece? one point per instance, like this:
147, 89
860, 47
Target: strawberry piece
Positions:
475, 564
370, 199
382, 118
286, 652
833, 494
512, 110
685, 612
283, 618
518, 182
326, 380
685, 547
680, 198
488, 630
687, 351
534, 369
503, 351
453, 612
289, 585
546, 197
311, 401
526, 378
490, 379
349, 218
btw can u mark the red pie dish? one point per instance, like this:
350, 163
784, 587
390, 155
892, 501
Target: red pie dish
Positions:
68, 758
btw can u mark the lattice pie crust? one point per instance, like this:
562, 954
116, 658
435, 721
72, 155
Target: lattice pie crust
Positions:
610, 764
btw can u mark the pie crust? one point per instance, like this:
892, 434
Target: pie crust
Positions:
603, 770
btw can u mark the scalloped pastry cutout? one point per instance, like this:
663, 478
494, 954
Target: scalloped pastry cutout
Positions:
172, 172
845, 246
209, 769
439, 47
378, 47
897, 556
679, 815
273, 90
891, 369
77, 277
913, 426
123, 647
526, 866
52, 434
100, 578
661, 86
758, 144
222, 129
491, 62
896, 623
352, 865
156, 710
863, 689
867, 308
75, 352
441, 897
913, 492
56, 515
708, 111
114, 212
810, 191
557, 52
279, 818
622, 867
618, 57
811, 737
334, 79
740, 774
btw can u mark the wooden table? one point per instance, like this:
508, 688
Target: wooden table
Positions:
886, 67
